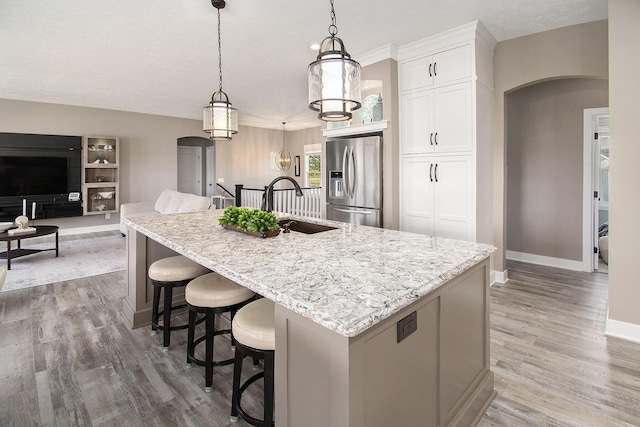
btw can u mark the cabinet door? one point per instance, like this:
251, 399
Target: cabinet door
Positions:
417, 195
452, 65
416, 122
453, 118
453, 197
417, 73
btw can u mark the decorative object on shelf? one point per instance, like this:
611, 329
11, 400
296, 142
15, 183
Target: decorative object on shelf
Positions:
377, 109
296, 166
366, 112
22, 222
334, 79
254, 222
220, 119
105, 194
283, 157
100, 179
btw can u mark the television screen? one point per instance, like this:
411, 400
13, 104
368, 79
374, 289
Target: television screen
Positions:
31, 176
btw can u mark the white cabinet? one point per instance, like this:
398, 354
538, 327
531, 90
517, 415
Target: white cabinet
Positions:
437, 69
437, 120
446, 109
442, 196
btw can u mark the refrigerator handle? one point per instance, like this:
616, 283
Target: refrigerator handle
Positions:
352, 211
353, 177
345, 171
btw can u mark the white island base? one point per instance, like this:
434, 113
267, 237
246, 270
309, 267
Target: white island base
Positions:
437, 376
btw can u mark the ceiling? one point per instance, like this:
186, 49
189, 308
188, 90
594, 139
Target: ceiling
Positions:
160, 56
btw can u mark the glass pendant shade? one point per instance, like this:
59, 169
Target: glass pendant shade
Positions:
283, 157
219, 118
334, 82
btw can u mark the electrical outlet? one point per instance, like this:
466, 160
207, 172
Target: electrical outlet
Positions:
220, 180
107, 216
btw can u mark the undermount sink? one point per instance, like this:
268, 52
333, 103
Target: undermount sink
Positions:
303, 227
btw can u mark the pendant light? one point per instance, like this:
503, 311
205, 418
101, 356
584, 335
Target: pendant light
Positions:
220, 119
334, 79
283, 158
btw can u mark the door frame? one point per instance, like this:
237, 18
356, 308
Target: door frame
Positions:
588, 184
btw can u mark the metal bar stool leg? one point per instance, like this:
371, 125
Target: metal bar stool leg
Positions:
154, 309
166, 326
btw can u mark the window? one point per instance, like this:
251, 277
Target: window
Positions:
313, 165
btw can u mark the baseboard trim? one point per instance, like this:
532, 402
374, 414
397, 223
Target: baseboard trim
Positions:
501, 277
92, 229
622, 330
548, 261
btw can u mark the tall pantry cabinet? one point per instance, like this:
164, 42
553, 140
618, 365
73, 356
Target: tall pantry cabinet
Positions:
446, 115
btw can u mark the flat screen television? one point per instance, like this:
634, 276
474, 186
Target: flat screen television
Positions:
33, 176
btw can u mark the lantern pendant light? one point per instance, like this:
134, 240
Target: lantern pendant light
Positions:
220, 119
334, 79
283, 157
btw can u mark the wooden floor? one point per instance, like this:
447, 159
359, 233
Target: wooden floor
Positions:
553, 365
67, 358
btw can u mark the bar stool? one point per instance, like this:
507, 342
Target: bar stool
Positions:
212, 294
254, 332
167, 274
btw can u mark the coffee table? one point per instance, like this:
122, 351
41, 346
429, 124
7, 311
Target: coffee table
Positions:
41, 230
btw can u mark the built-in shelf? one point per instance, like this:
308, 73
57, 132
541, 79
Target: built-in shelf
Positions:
100, 181
360, 129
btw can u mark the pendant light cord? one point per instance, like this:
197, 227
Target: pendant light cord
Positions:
219, 49
333, 29
284, 145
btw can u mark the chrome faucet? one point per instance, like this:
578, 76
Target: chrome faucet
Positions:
267, 201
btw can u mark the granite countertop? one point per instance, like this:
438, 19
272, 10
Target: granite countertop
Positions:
346, 279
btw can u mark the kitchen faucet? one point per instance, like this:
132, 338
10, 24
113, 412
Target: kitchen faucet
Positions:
267, 200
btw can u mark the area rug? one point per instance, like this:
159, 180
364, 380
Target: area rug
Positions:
79, 256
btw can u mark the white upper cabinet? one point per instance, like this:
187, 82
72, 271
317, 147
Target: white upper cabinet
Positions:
440, 68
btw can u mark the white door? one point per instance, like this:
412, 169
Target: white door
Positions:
595, 191
453, 197
417, 195
210, 161
416, 122
453, 118
190, 170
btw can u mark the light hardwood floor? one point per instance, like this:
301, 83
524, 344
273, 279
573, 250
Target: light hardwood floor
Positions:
67, 358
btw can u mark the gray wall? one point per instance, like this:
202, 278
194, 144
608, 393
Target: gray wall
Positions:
544, 165
148, 156
575, 51
624, 205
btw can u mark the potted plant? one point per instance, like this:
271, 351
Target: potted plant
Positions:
250, 221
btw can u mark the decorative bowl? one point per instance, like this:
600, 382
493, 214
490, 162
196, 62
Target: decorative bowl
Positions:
106, 194
4, 226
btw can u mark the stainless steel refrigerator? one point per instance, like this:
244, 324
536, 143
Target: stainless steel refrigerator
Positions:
354, 180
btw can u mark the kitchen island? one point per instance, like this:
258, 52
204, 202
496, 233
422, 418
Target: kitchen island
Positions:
373, 326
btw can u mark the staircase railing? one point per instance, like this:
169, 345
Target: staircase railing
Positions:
284, 200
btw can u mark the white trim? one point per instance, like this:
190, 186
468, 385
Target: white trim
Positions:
85, 230
501, 277
451, 38
567, 264
388, 51
587, 188
622, 330
356, 129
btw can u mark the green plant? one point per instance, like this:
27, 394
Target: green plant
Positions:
249, 219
